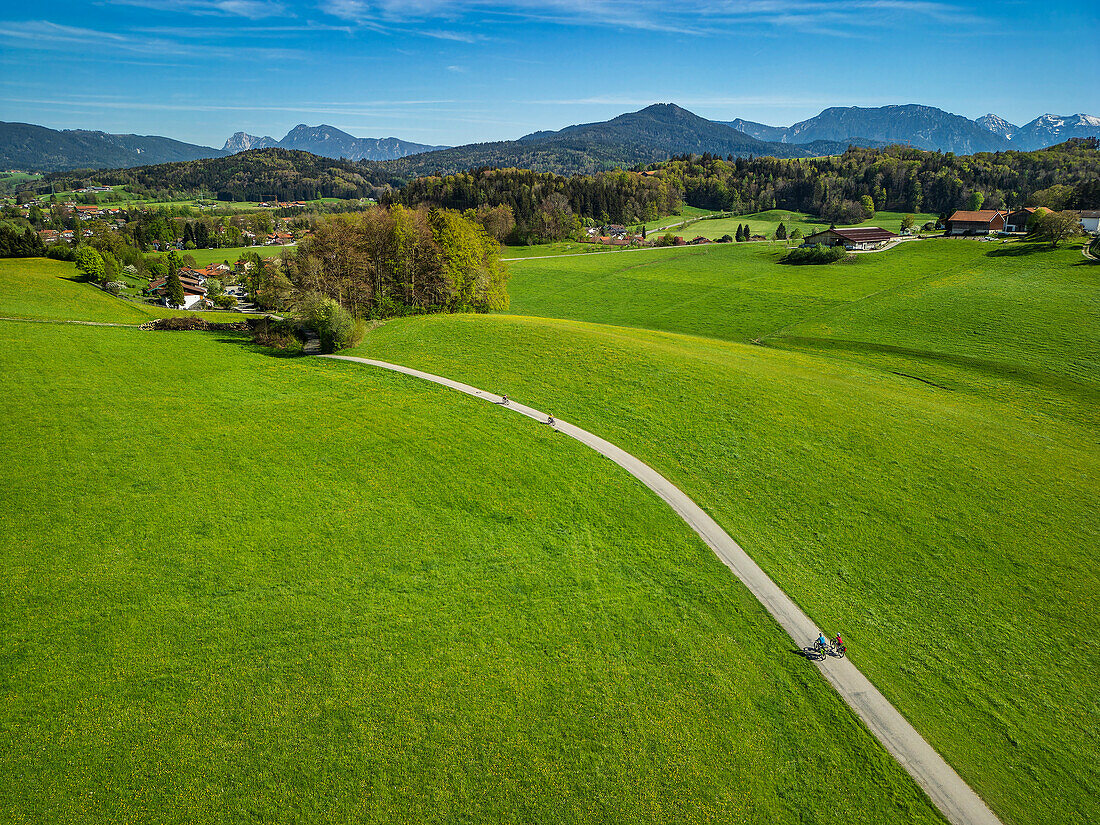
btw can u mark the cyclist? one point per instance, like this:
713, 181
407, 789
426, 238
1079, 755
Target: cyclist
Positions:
504, 400
550, 420
822, 643
839, 642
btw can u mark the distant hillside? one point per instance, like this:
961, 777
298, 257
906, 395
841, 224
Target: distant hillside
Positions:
924, 127
759, 131
652, 134
38, 149
254, 175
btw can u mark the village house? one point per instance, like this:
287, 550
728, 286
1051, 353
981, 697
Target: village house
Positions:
851, 237
1018, 219
50, 236
1090, 220
194, 288
983, 222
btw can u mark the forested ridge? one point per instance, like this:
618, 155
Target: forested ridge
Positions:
896, 178
256, 175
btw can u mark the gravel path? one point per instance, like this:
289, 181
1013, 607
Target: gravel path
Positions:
958, 803
61, 321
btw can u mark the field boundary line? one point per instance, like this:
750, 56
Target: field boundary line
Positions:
947, 790
65, 321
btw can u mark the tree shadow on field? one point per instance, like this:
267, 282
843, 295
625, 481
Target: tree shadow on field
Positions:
246, 343
1019, 250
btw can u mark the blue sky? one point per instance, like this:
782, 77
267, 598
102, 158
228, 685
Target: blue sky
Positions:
457, 71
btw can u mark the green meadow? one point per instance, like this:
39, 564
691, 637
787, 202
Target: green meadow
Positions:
912, 455
246, 586
241, 587
231, 255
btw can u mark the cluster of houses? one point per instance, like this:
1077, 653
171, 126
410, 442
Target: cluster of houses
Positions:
52, 236
617, 235
992, 221
194, 285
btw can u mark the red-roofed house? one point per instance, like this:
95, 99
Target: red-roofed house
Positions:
851, 237
982, 222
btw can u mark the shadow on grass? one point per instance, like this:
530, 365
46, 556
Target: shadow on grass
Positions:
245, 342
1018, 250
995, 369
813, 654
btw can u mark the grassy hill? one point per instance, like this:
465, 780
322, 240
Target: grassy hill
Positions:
350, 595
238, 585
765, 223
913, 459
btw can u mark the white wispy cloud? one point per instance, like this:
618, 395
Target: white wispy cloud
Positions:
694, 17
47, 35
252, 9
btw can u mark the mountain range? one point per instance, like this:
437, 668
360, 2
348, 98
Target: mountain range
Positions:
648, 135
927, 127
30, 147
330, 142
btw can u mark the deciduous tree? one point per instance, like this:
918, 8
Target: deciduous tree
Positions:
90, 263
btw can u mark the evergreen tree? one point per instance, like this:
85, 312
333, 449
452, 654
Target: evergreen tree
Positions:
781, 232
174, 288
748, 233
740, 236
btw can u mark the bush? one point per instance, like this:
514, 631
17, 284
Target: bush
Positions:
114, 287
819, 254
727, 238
333, 324
224, 301
275, 334
60, 252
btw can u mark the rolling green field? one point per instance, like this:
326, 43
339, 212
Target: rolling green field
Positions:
733, 291
686, 213
46, 289
233, 254
765, 223
556, 248
350, 595
297, 590
914, 458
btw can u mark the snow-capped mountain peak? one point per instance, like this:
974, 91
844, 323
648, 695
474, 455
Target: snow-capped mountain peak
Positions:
1049, 129
998, 125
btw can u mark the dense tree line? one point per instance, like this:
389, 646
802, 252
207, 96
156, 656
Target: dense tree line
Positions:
895, 178
397, 261
545, 207
19, 241
257, 175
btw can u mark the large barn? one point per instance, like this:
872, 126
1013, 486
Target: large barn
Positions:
983, 222
851, 237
